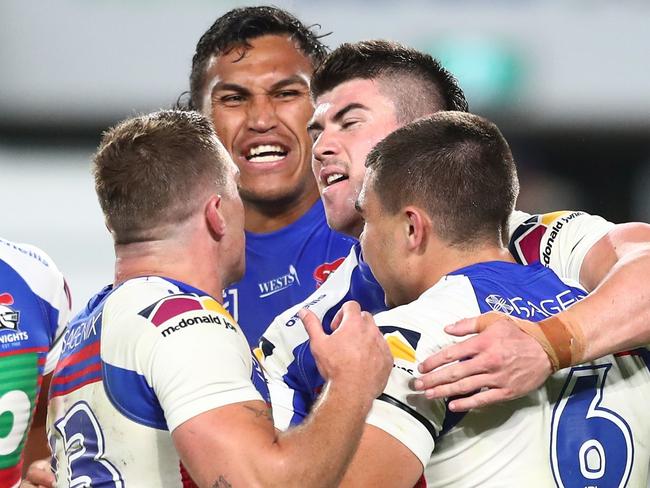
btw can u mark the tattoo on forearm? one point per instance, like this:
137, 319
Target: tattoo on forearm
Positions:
222, 483
266, 413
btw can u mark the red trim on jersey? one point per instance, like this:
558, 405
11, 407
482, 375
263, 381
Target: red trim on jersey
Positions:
81, 355
25, 351
92, 368
422, 483
11, 476
186, 480
54, 394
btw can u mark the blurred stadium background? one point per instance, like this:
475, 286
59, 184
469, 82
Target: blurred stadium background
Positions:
567, 81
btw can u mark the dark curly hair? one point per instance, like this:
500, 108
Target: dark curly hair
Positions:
237, 27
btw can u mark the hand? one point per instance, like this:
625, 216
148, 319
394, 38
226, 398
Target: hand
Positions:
502, 358
355, 353
39, 475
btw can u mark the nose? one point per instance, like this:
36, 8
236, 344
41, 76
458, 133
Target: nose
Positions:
262, 116
325, 146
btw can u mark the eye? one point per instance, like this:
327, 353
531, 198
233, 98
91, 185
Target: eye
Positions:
349, 123
287, 94
232, 100
314, 134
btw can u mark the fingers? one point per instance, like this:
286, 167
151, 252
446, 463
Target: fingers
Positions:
39, 475
474, 325
449, 354
312, 324
478, 400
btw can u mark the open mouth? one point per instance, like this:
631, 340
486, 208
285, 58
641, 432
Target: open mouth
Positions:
335, 178
266, 153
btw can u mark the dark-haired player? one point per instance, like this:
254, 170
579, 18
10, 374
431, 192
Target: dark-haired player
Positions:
251, 74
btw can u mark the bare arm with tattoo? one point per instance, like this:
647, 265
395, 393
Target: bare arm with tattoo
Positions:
237, 445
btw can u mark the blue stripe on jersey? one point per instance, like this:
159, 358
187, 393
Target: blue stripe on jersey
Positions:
302, 374
132, 396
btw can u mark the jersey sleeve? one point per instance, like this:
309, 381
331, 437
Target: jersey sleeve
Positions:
408, 417
190, 357
293, 378
414, 332
56, 303
559, 240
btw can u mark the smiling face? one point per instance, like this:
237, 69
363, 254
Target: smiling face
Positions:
258, 99
347, 123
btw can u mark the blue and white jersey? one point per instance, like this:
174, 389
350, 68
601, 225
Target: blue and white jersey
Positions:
34, 308
586, 426
139, 361
559, 240
283, 268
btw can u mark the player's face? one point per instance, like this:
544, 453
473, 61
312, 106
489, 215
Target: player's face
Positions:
232, 208
259, 102
380, 242
347, 123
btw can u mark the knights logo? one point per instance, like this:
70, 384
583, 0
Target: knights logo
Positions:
9, 317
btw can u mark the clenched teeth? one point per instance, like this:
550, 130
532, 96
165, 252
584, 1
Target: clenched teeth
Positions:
265, 148
335, 177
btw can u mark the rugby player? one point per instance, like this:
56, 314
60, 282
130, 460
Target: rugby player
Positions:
436, 248
364, 91
34, 308
251, 74
156, 385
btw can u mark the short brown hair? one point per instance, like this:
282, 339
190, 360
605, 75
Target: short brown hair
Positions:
148, 169
458, 167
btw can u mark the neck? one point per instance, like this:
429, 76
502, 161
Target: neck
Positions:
264, 217
170, 260
444, 260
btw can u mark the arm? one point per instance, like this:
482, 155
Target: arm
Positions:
511, 362
382, 460
212, 444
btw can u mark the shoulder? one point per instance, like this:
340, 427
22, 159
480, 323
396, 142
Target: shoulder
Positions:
449, 300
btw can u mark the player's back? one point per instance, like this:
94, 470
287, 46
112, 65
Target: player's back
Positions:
34, 306
586, 426
121, 387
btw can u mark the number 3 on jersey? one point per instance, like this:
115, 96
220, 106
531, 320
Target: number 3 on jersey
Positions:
591, 446
84, 446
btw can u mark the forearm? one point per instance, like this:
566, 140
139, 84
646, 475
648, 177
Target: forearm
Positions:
616, 315
335, 425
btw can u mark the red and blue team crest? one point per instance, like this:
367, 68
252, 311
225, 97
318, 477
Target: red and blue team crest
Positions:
322, 272
174, 305
9, 318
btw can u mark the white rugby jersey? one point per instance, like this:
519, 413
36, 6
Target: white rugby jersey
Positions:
559, 240
137, 363
585, 427
34, 308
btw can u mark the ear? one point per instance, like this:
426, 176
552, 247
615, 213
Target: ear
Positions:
416, 228
213, 217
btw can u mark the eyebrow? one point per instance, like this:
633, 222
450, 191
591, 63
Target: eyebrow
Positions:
276, 86
338, 115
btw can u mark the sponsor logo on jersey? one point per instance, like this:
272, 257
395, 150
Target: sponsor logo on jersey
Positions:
276, 285
322, 272
547, 246
402, 344
9, 321
171, 307
526, 240
532, 310
201, 319
82, 332
294, 318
